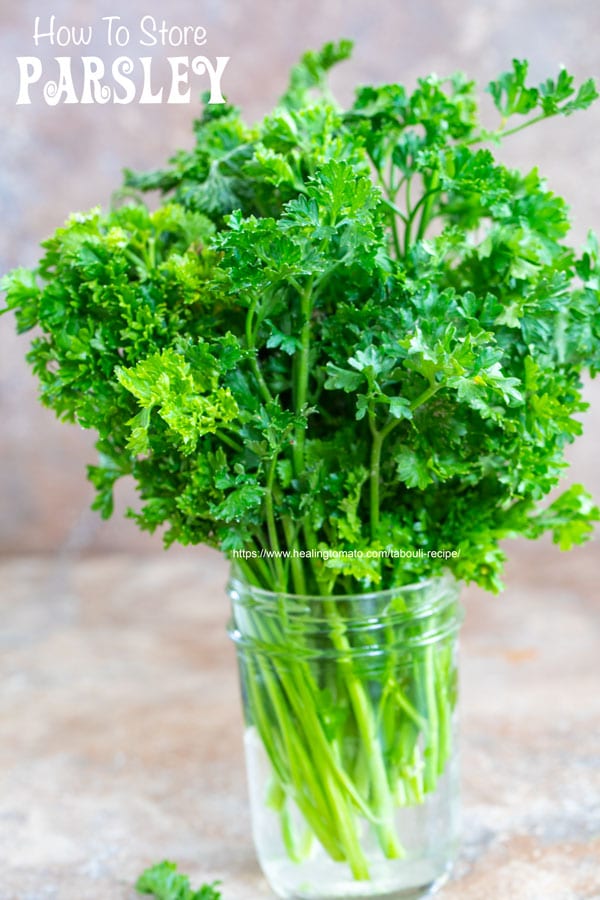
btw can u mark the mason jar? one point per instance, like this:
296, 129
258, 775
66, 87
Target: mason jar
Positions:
350, 733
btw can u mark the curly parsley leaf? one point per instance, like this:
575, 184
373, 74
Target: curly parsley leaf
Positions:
164, 882
512, 95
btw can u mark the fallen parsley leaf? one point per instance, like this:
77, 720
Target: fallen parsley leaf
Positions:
164, 882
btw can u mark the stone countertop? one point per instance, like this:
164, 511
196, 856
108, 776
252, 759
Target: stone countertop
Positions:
121, 743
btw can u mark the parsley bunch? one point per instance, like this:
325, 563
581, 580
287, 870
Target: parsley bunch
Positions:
340, 330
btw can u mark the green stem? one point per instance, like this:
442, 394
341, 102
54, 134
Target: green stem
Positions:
508, 131
222, 436
302, 374
428, 198
272, 525
395, 209
255, 570
254, 364
295, 562
395, 214
361, 759
408, 229
151, 253
301, 768
316, 773
378, 438
419, 205
303, 695
432, 750
366, 724
443, 661
505, 132
407, 707
396, 237
425, 396
374, 481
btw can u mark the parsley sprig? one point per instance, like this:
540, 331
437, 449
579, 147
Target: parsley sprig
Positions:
164, 882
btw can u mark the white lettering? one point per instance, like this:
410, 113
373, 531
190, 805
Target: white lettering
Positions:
119, 35
147, 95
63, 35
53, 91
148, 26
93, 89
83, 38
87, 79
38, 35
30, 72
179, 78
170, 36
121, 68
200, 64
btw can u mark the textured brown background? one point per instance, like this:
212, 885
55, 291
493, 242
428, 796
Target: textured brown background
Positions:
120, 735
57, 159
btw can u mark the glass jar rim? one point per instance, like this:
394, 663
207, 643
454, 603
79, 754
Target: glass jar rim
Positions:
421, 613
237, 582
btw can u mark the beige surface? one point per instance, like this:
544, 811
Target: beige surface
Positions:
120, 738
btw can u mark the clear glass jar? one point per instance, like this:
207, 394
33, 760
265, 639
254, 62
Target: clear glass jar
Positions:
350, 711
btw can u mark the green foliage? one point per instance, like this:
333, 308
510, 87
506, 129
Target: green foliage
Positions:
186, 397
340, 330
512, 96
164, 882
